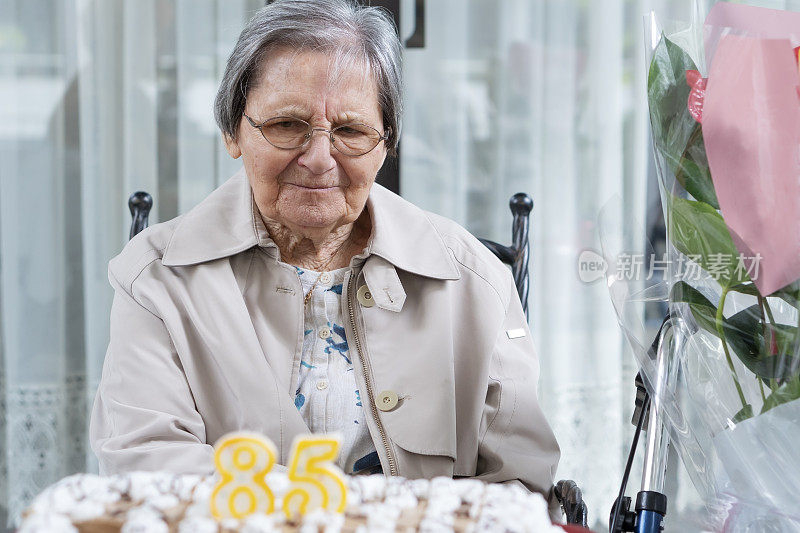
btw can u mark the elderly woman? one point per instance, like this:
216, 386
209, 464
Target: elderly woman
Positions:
302, 297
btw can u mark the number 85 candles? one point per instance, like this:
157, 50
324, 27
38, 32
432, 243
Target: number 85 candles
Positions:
243, 461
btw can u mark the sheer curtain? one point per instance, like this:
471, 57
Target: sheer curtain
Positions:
99, 98
537, 96
548, 98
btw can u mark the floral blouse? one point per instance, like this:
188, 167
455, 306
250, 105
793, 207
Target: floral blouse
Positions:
327, 396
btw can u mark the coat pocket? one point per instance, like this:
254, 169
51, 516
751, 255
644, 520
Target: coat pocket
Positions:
424, 440
421, 425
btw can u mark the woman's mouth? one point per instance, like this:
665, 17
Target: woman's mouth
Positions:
314, 187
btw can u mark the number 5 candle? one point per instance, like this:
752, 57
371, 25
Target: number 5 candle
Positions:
316, 483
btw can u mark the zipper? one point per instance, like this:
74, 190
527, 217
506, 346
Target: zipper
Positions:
366, 372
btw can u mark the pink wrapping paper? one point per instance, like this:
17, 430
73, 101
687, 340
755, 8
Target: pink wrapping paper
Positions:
751, 127
751, 21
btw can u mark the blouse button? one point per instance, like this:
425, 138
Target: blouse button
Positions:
364, 297
324, 333
322, 384
325, 278
387, 400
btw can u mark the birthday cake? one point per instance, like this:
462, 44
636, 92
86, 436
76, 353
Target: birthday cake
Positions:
159, 502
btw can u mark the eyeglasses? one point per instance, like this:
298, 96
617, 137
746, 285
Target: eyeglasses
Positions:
289, 133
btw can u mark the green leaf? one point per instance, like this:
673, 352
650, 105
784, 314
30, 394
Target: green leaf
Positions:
698, 231
789, 294
746, 288
786, 393
786, 338
668, 94
742, 332
693, 172
745, 335
743, 414
777, 367
702, 309
676, 135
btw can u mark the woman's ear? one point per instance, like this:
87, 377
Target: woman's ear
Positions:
231, 146
385, 153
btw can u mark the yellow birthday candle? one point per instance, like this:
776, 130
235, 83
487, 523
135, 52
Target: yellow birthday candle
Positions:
315, 481
242, 460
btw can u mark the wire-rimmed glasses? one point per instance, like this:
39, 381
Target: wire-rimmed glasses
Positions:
289, 133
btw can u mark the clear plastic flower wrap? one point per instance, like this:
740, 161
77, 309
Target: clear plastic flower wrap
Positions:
724, 99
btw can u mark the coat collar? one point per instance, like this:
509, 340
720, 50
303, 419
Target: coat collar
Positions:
227, 222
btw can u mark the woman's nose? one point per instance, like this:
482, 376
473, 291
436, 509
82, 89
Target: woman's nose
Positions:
317, 155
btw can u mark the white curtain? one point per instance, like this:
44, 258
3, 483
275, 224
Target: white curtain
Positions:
99, 98
549, 97
546, 97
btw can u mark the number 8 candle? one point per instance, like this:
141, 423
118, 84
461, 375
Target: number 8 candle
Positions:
242, 460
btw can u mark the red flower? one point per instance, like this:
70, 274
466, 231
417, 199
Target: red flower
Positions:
697, 94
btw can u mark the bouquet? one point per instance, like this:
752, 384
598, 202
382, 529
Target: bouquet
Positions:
725, 122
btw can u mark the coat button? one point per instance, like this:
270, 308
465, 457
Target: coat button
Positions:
387, 400
364, 296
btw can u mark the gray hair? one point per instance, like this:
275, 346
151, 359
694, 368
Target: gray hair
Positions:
343, 28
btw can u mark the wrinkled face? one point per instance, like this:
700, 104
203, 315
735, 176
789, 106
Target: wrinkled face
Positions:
315, 187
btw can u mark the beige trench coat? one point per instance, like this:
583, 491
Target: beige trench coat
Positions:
207, 332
